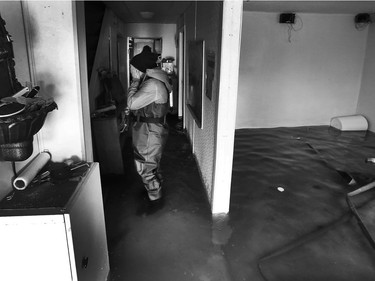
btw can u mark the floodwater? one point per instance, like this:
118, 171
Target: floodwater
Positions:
170, 240
288, 219
288, 191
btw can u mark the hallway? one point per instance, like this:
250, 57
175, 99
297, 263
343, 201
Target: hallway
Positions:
288, 217
168, 242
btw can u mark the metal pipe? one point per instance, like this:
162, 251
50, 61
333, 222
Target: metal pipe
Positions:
362, 189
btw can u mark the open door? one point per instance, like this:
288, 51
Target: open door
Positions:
181, 72
135, 46
122, 60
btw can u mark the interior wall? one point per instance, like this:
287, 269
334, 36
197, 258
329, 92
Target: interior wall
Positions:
307, 81
203, 22
366, 101
52, 36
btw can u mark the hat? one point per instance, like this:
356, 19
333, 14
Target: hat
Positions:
146, 49
144, 60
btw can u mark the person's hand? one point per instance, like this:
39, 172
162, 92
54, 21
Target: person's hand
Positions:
136, 74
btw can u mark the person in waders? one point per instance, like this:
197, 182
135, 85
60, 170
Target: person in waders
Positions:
148, 102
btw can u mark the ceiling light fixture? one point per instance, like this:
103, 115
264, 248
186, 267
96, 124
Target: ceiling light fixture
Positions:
147, 15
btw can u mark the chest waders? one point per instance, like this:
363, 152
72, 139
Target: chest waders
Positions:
150, 133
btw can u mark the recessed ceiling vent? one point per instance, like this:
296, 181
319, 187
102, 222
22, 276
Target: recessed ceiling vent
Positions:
287, 18
147, 15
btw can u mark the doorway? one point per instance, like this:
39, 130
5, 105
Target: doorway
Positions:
181, 67
135, 46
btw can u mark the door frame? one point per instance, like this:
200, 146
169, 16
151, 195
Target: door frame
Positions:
181, 71
227, 105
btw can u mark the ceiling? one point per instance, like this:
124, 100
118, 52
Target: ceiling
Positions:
169, 11
163, 11
325, 7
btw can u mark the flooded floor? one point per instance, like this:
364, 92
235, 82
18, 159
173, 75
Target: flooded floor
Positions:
289, 219
288, 210
168, 241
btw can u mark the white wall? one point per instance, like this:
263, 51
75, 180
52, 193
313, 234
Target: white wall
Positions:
227, 104
54, 49
366, 102
303, 82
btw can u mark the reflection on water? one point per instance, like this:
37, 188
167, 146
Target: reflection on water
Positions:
221, 230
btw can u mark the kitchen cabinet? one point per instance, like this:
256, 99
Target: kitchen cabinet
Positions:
55, 231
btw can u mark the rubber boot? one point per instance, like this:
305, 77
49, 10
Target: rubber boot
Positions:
154, 194
154, 189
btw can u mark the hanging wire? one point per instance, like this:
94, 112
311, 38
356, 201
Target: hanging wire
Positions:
298, 25
290, 28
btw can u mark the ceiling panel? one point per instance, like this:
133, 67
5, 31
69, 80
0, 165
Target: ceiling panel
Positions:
169, 11
327, 7
161, 11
